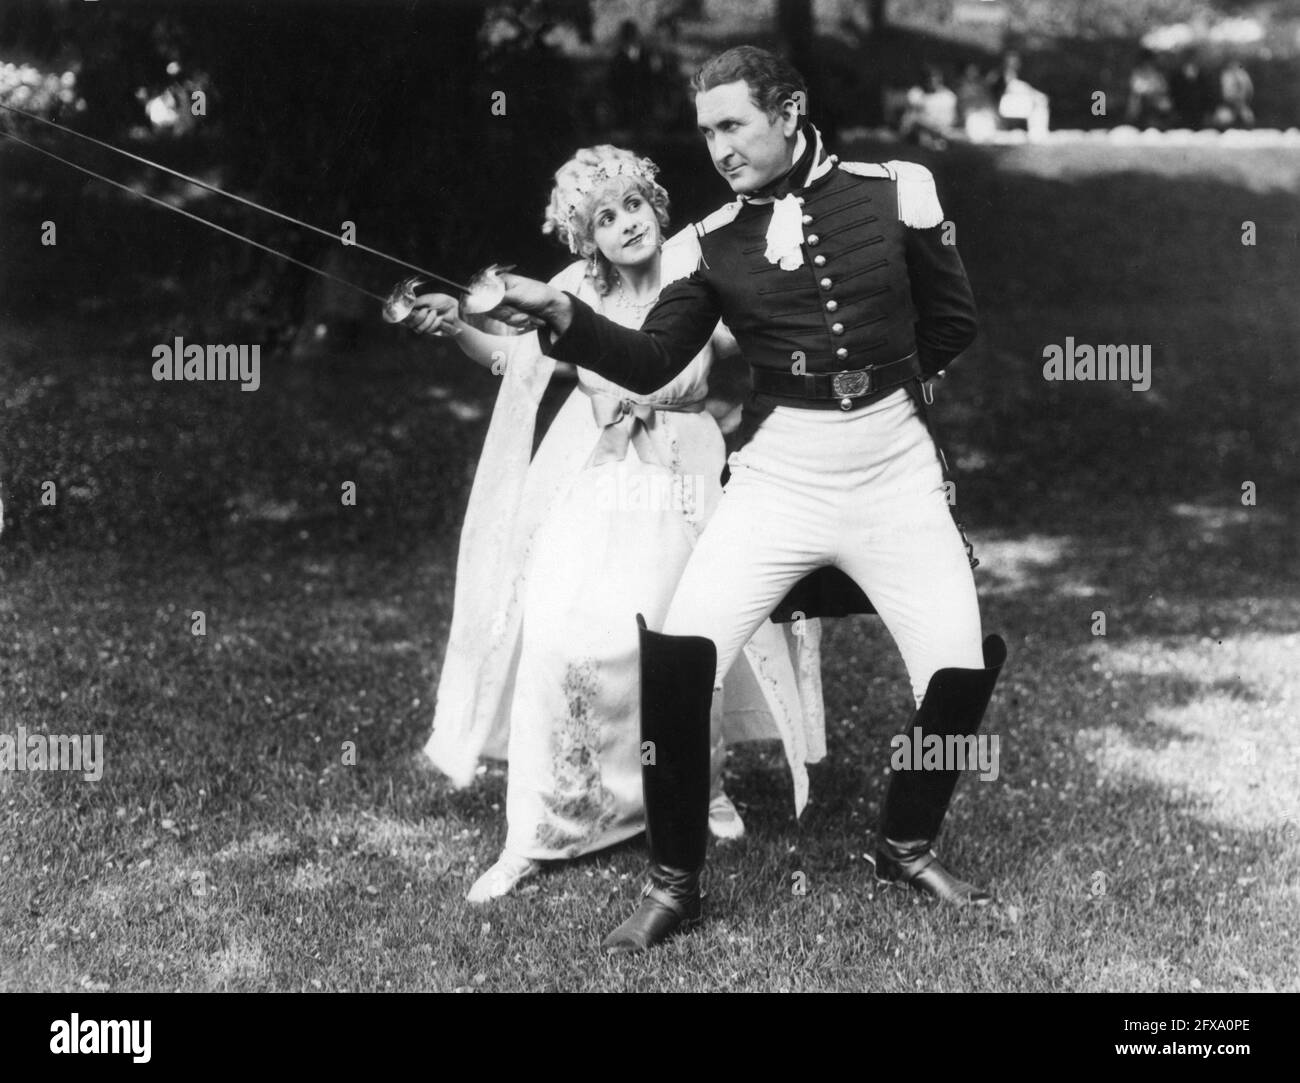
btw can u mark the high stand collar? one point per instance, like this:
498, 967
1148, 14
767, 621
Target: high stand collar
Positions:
811, 164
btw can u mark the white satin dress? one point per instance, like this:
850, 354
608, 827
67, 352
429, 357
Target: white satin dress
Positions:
558, 555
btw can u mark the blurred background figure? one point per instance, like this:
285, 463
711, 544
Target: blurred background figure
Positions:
673, 107
1236, 92
1149, 104
1190, 93
1018, 102
632, 79
977, 110
930, 118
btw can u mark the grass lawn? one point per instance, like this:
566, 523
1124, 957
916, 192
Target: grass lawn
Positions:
1143, 834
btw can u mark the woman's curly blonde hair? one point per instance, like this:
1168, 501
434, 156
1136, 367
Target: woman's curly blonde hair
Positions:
577, 184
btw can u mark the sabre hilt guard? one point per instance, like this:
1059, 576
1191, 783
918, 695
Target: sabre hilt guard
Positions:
485, 293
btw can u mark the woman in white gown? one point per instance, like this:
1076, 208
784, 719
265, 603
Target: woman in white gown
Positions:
558, 555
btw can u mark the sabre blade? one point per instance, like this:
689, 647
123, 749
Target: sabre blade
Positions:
221, 192
195, 217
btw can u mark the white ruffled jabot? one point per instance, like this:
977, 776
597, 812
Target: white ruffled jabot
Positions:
785, 230
918, 202
785, 234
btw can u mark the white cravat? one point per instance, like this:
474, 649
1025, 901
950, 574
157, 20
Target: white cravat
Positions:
785, 234
785, 230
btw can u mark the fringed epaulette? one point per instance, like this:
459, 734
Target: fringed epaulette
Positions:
723, 216
918, 202
681, 256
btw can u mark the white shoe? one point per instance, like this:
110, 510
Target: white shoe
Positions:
724, 821
501, 878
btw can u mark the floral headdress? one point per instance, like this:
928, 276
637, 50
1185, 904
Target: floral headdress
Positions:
585, 174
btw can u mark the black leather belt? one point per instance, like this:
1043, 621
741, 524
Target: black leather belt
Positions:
824, 388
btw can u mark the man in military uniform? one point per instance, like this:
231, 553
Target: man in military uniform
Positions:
837, 285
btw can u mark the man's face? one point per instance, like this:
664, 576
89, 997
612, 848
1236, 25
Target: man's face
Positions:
749, 148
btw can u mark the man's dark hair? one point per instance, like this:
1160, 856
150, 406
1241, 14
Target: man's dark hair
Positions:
771, 78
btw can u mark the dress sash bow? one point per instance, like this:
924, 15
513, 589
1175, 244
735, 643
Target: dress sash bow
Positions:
624, 422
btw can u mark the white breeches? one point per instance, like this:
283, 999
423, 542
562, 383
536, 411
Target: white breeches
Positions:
862, 491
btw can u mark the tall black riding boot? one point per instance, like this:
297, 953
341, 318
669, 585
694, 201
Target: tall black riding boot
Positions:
676, 693
917, 800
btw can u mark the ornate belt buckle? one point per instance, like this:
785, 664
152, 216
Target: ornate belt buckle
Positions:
851, 385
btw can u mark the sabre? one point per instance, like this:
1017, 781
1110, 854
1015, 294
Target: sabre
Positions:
484, 292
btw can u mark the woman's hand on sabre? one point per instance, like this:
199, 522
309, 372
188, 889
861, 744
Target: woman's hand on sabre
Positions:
526, 304
435, 314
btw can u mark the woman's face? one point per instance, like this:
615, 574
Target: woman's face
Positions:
624, 226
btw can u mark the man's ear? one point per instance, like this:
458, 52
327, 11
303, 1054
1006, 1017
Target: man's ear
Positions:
790, 110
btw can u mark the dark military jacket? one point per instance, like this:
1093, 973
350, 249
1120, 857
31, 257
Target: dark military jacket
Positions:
873, 290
